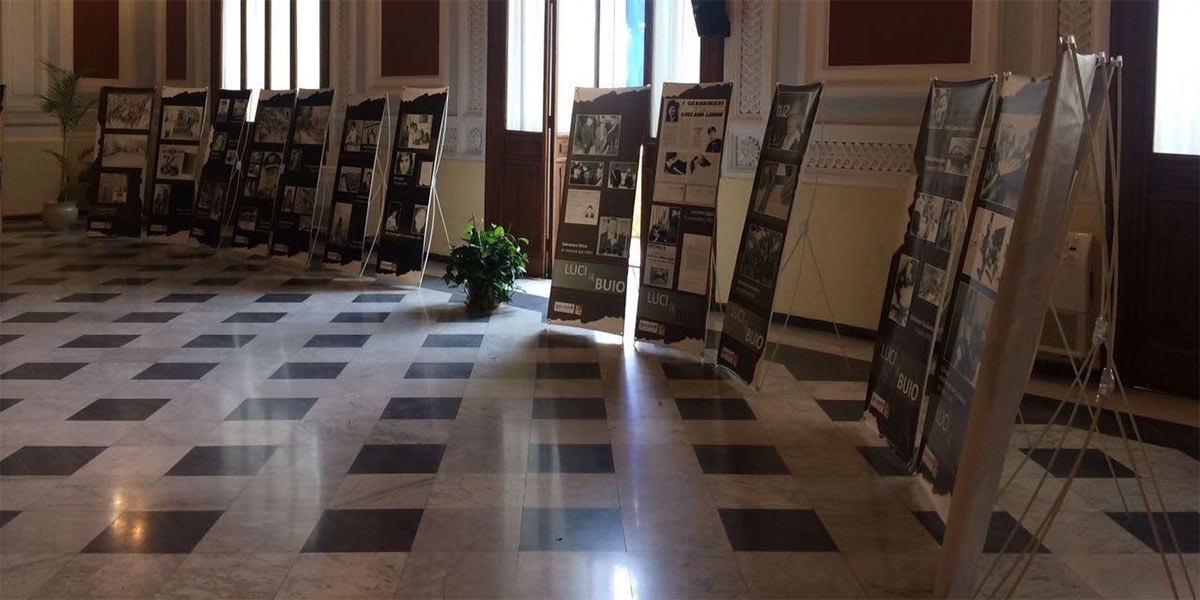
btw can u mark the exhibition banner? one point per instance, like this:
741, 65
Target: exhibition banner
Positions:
591, 261
262, 168
346, 218
411, 175
945, 157
226, 138
293, 225
756, 274
673, 300
177, 160
1004, 195
126, 116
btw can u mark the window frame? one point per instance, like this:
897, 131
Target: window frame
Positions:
216, 43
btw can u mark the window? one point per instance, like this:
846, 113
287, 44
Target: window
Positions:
271, 44
1176, 87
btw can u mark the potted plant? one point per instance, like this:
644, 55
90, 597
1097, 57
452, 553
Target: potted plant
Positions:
64, 101
488, 263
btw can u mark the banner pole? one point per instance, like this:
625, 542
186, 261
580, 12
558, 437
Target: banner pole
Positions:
387, 118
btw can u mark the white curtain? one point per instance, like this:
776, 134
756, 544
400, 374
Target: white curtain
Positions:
676, 51
1177, 84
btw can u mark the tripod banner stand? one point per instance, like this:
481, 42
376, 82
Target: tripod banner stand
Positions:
176, 161
126, 120
294, 218
262, 168
225, 140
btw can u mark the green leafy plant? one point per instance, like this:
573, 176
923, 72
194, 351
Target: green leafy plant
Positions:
488, 263
66, 103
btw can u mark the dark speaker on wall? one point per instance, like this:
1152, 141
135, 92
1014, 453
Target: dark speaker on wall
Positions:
711, 17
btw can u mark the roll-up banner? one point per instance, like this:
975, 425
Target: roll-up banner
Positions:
177, 160
591, 261
416, 154
346, 218
1003, 199
752, 293
126, 117
673, 300
226, 138
946, 160
293, 225
262, 165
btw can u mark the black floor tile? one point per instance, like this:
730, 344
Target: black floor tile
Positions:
775, 530
1186, 526
548, 370
9, 337
1168, 434
439, 370
570, 458
1094, 463
337, 341
222, 460
88, 297
148, 317
154, 532
740, 460
218, 281
219, 340
555, 340
82, 268
129, 281
453, 340
576, 529
379, 298
6, 296
812, 365
99, 341
120, 409
272, 409
242, 269
48, 460
177, 371
254, 317
569, 408
39, 317
307, 281
186, 298
7, 403
842, 411
42, 371
682, 370
999, 529
398, 458
421, 408
7, 515
40, 281
309, 370
283, 297
884, 461
162, 268
361, 317
365, 530
714, 409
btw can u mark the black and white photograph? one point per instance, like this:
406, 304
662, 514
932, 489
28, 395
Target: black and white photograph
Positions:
296, 160
353, 141
268, 178
222, 109
901, 298
425, 175
369, 135
660, 266
787, 124
218, 142
306, 198
763, 249
391, 220
239, 110
1004, 174
161, 203
289, 199
586, 172
405, 163
416, 131
672, 112
339, 226
271, 125
949, 224
181, 123
256, 157
206, 196
253, 169
177, 162
613, 239
114, 188
419, 219
364, 188
933, 283
927, 210
675, 163
247, 218
217, 209
123, 150
622, 175
128, 111
974, 309
596, 135
959, 155
582, 207
311, 124
775, 189
987, 247
664, 224
349, 179
940, 106
230, 157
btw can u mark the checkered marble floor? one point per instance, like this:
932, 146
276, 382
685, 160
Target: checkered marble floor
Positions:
178, 422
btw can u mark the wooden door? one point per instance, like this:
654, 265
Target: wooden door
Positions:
1158, 324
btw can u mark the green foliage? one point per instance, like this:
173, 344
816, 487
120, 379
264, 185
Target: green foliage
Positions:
68, 105
488, 263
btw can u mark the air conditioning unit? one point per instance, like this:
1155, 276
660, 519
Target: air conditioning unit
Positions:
1073, 297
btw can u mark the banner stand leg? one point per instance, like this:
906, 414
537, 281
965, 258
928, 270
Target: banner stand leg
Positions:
385, 125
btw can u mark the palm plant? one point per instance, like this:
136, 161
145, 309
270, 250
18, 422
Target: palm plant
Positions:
68, 105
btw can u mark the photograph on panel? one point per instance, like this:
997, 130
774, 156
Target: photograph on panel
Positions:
959, 155
973, 311
369, 136
123, 150
177, 162
660, 266
987, 246
364, 188
425, 177
349, 179
181, 123
949, 224
775, 190
940, 107
217, 201
271, 171
161, 202
393, 223
694, 261
933, 284
247, 218
239, 110
205, 197
128, 111
613, 239
420, 217
761, 255
416, 131
597, 135
1005, 172
114, 188
218, 142
271, 126
289, 199
296, 160
353, 141
586, 172
926, 212
582, 207
311, 124
902, 291
622, 175
339, 226
664, 224
222, 110
306, 200
405, 164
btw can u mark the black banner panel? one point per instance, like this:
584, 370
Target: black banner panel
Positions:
126, 117
293, 224
752, 293
672, 307
346, 219
416, 153
955, 113
262, 165
591, 262
176, 163
225, 141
